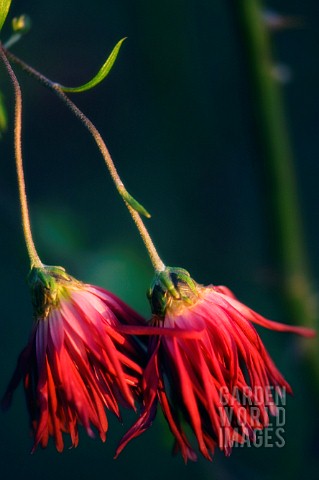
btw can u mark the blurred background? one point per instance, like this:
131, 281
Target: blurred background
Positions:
178, 115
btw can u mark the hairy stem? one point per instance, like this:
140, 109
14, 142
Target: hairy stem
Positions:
33, 255
128, 200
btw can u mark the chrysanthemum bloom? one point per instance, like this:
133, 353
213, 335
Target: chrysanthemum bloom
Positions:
76, 363
214, 374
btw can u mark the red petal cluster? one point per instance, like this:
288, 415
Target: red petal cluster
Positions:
215, 380
76, 364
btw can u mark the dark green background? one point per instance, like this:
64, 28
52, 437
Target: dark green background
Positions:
177, 116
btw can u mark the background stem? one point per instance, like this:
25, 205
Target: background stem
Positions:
288, 232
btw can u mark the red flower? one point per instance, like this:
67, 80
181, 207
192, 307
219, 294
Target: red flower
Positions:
76, 363
214, 373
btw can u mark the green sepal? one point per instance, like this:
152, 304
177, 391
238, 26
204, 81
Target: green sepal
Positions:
102, 73
44, 284
173, 284
47, 275
4, 9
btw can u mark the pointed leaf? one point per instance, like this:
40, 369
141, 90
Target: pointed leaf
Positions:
102, 73
4, 9
135, 204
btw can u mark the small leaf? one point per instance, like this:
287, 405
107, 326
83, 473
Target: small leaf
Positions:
4, 9
3, 116
102, 73
135, 204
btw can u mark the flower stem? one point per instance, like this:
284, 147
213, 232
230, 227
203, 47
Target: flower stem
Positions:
33, 255
157, 263
133, 206
276, 145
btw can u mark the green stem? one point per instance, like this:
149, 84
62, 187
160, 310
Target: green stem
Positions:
133, 206
33, 255
277, 150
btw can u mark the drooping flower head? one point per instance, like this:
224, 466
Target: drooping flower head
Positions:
214, 374
76, 364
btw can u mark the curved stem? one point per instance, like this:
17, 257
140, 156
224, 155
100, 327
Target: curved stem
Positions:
133, 206
33, 255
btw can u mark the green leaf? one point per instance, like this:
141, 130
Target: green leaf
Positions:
135, 204
102, 73
4, 9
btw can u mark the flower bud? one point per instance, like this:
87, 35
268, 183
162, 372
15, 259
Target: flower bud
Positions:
21, 24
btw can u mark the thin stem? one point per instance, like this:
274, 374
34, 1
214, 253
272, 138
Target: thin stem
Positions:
33, 255
12, 40
55, 87
152, 252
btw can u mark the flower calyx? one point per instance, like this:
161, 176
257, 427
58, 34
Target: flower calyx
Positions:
173, 285
46, 284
